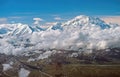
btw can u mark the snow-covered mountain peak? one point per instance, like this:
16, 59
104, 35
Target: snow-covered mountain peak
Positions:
81, 17
21, 29
83, 20
15, 29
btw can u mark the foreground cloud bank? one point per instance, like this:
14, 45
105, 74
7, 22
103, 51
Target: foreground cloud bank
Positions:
83, 33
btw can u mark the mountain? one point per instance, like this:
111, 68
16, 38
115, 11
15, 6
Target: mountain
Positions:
83, 20
15, 29
6, 28
56, 26
21, 29
79, 21
81, 40
36, 28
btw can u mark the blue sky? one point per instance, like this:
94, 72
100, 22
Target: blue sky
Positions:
25, 10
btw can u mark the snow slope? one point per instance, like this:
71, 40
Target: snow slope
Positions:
80, 33
86, 21
15, 29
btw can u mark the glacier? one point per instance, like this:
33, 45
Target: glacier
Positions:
80, 33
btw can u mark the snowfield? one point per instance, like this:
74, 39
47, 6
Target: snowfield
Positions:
80, 33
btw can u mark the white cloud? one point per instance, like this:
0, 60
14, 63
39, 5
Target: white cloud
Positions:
37, 20
50, 23
57, 18
3, 20
112, 19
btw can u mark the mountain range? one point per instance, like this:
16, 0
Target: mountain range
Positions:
82, 33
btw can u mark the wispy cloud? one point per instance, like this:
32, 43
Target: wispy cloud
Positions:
50, 23
57, 18
3, 20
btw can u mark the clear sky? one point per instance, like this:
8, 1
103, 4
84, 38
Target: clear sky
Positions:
25, 10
